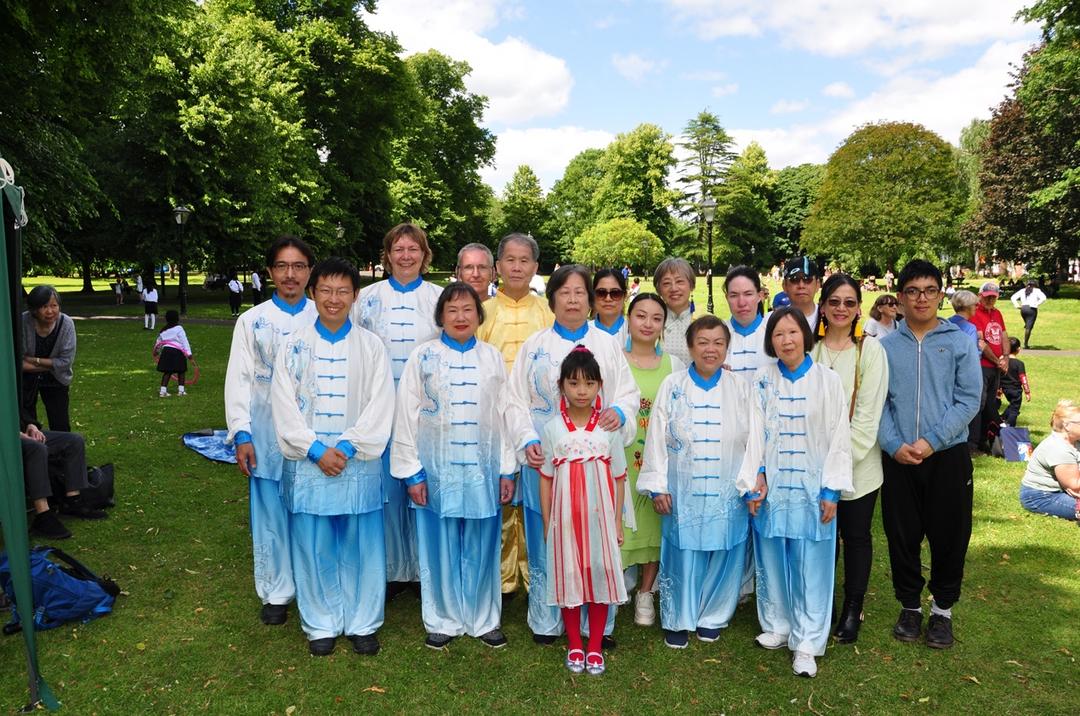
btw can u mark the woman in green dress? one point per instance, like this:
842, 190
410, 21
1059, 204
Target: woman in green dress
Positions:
650, 365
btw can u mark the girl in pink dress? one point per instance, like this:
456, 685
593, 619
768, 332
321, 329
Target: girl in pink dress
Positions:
581, 493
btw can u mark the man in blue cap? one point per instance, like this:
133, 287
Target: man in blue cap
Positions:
801, 284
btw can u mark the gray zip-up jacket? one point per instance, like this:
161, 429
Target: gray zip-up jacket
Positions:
63, 353
934, 388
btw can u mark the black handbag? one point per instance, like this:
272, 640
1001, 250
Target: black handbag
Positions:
100, 488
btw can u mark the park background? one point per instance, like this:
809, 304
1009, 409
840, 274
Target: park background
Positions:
265, 117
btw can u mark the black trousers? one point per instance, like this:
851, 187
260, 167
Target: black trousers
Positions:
853, 519
235, 299
57, 400
931, 500
987, 407
1015, 396
62, 455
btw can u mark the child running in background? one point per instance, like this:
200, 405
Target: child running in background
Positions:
1014, 385
581, 494
172, 350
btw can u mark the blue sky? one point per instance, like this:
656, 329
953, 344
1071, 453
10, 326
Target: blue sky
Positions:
796, 76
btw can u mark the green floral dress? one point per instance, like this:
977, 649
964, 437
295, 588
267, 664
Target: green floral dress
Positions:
643, 545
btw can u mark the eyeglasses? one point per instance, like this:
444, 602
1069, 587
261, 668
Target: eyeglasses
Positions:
326, 292
295, 267
474, 268
846, 303
613, 293
931, 292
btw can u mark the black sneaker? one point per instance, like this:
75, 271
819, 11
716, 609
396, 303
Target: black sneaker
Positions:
607, 643
366, 645
47, 524
76, 507
908, 625
274, 614
544, 639
939, 632
321, 647
494, 638
438, 641
675, 639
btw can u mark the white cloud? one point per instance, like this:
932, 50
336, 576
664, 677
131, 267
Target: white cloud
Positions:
789, 106
634, 67
520, 81
839, 90
847, 27
704, 76
724, 90
944, 104
547, 150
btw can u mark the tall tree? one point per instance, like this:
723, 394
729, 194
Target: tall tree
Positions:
970, 154
709, 153
571, 201
438, 157
797, 189
892, 191
742, 209
524, 210
634, 184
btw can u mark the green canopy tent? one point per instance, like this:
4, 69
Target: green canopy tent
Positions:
13, 504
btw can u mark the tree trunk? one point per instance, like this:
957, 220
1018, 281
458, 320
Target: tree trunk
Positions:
87, 283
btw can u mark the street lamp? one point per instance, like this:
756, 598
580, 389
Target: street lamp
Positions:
708, 212
180, 215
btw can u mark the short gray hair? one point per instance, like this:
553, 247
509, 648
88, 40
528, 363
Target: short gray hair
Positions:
476, 247
673, 264
523, 239
963, 300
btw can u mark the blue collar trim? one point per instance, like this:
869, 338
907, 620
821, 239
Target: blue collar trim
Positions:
704, 383
333, 336
746, 330
293, 309
794, 375
457, 345
614, 329
569, 335
405, 287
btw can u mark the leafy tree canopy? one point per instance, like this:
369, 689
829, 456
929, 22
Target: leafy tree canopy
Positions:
619, 242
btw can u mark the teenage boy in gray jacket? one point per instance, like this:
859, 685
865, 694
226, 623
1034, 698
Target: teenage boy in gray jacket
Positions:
934, 389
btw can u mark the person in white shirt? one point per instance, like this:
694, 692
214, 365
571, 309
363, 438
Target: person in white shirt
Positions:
1028, 300
258, 335
256, 287
796, 466
236, 294
149, 300
401, 312
333, 398
173, 352
746, 351
451, 451
674, 280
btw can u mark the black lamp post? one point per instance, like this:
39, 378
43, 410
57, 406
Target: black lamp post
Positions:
708, 212
180, 215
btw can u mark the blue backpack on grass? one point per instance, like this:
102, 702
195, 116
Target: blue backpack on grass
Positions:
63, 592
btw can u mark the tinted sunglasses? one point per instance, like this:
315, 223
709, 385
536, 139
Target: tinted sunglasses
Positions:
613, 293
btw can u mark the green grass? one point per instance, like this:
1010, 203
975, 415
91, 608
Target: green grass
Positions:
186, 638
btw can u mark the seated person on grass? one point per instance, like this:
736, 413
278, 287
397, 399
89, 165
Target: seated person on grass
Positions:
65, 455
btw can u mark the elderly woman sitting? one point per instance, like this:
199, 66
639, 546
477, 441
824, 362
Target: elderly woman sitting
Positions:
1051, 483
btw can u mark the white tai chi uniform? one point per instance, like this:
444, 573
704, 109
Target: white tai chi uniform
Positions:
746, 351
248, 413
800, 439
333, 389
695, 445
674, 338
620, 329
403, 316
533, 401
449, 434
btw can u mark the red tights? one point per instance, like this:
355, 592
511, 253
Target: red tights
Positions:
597, 622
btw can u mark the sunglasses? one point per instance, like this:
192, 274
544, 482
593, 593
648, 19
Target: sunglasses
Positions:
889, 303
613, 293
846, 303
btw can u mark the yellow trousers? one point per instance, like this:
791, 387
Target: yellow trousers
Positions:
515, 560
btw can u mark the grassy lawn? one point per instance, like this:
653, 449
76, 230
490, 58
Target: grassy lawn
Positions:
186, 637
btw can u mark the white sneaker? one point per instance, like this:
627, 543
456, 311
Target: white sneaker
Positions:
804, 665
644, 611
163, 393
181, 392
768, 640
